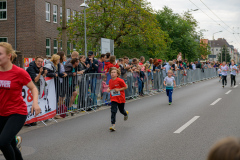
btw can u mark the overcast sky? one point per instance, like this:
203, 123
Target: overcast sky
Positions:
227, 10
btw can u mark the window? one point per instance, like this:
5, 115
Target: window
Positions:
61, 45
55, 13
3, 39
68, 15
74, 14
48, 47
3, 10
48, 12
74, 47
216, 49
55, 47
60, 13
212, 49
68, 48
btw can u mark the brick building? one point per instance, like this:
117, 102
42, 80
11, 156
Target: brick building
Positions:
31, 26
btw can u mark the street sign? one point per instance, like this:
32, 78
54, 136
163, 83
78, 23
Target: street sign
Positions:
107, 45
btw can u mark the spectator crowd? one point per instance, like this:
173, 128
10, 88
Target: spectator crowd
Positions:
69, 75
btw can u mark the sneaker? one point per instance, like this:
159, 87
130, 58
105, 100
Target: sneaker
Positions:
223, 86
19, 141
170, 103
112, 128
126, 117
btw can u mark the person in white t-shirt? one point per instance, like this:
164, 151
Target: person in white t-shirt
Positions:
224, 69
220, 73
169, 82
233, 69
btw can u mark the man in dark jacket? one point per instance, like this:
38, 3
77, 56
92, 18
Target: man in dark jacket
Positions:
70, 69
93, 63
35, 70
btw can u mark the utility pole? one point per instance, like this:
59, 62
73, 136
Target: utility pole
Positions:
64, 28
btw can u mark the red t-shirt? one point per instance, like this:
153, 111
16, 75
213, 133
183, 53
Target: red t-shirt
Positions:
11, 84
117, 83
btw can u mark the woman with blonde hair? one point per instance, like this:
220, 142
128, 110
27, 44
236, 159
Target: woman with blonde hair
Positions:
13, 114
52, 66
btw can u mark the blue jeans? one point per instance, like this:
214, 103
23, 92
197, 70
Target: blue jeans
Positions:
169, 94
106, 96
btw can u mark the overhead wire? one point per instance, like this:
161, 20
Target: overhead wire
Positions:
214, 20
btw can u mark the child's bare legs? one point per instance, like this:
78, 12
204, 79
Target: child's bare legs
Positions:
73, 98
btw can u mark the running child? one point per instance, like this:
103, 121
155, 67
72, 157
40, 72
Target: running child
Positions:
233, 69
117, 96
224, 69
220, 73
169, 82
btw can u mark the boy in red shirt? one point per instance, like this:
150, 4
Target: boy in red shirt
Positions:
117, 96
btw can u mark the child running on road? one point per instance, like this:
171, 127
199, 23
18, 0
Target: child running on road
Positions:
169, 81
224, 69
234, 70
117, 96
220, 73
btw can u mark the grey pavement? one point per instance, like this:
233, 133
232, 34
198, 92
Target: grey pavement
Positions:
148, 134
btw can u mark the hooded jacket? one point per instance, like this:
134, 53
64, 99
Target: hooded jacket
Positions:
33, 70
52, 70
93, 66
109, 65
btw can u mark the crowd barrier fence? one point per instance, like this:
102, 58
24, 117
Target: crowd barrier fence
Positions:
88, 92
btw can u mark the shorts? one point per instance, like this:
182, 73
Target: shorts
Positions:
220, 75
70, 89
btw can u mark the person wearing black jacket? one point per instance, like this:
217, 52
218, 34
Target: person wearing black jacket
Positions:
93, 63
71, 71
35, 70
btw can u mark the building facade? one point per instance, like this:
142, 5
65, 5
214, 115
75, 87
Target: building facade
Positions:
31, 26
216, 46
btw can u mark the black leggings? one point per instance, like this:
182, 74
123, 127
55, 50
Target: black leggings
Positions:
224, 78
9, 127
233, 80
114, 107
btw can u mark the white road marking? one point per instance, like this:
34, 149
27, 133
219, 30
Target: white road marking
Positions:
187, 124
215, 102
235, 86
228, 92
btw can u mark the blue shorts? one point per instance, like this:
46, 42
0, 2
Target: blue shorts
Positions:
220, 75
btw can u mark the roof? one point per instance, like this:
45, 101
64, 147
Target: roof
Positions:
220, 42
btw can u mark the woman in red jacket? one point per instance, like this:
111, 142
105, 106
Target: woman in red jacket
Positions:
13, 110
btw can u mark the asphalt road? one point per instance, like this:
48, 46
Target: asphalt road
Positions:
154, 130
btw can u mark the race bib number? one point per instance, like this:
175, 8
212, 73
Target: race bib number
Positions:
115, 93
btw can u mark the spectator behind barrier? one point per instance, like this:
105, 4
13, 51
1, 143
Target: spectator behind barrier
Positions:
101, 63
93, 63
35, 70
71, 70
74, 54
82, 67
225, 149
52, 66
110, 64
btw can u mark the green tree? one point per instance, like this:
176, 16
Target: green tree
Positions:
182, 31
130, 23
225, 54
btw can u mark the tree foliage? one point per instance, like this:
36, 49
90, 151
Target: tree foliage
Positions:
130, 23
225, 54
182, 31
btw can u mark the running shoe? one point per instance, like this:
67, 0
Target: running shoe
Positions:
170, 103
112, 128
223, 86
126, 117
19, 141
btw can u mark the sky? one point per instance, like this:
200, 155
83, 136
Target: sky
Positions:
227, 10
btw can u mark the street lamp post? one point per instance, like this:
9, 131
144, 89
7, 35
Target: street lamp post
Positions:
214, 43
85, 28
